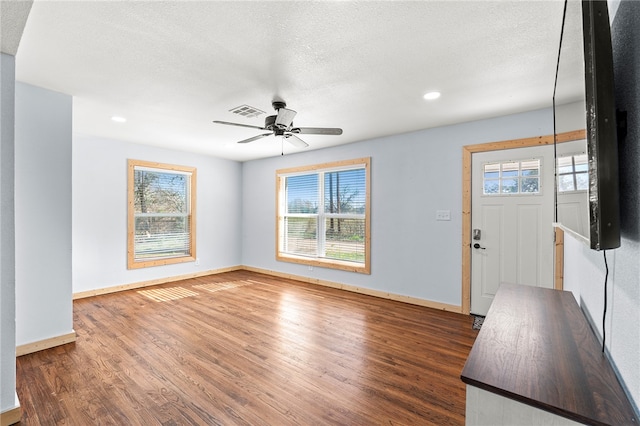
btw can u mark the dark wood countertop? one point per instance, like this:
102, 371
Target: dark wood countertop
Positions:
536, 347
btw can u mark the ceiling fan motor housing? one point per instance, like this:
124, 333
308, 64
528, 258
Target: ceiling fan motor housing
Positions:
270, 122
277, 129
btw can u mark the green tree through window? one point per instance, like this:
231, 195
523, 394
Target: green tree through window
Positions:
323, 215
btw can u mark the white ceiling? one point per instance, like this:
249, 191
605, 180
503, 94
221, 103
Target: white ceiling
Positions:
172, 67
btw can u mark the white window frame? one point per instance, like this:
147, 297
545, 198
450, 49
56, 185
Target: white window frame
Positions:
320, 260
519, 178
132, 261
572, 173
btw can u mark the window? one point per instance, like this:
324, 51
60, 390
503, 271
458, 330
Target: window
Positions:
512, 177
323, 215
161, 222
573, 173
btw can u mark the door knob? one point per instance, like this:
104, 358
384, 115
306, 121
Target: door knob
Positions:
477, 246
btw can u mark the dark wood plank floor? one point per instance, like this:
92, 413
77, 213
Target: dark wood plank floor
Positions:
247, 349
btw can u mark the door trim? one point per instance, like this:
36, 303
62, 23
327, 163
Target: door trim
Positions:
467, 152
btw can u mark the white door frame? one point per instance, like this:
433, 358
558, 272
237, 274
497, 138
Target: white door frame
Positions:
467, 152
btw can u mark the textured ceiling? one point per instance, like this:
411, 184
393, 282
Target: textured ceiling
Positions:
172, 67
13, 16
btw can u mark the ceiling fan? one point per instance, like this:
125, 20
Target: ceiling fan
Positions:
281, 124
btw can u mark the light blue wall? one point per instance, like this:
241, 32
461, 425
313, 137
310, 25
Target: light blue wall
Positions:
7, 235
412, 176
100, 212
43, 214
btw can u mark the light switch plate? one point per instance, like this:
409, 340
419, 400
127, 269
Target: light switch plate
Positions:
443, 214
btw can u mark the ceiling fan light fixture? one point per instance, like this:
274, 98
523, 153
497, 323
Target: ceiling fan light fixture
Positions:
284, 119
431, 96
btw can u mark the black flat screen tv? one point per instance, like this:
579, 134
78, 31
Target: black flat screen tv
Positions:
585, 81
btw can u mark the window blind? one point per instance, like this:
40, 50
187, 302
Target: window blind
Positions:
161, 213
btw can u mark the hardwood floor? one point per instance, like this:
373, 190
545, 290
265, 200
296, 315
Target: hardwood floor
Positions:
242, 348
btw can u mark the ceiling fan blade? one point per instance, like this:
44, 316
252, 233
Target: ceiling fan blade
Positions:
285, 117
255, 138
296, 141
238, 124
317, 130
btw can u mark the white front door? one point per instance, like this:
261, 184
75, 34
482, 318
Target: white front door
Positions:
511, 220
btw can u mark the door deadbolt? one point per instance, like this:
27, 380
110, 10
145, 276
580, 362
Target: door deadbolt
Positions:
477, 234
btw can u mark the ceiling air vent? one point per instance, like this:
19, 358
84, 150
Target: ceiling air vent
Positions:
247, 111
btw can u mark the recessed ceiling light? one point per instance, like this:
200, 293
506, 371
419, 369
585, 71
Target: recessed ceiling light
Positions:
431, 95
118, 119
